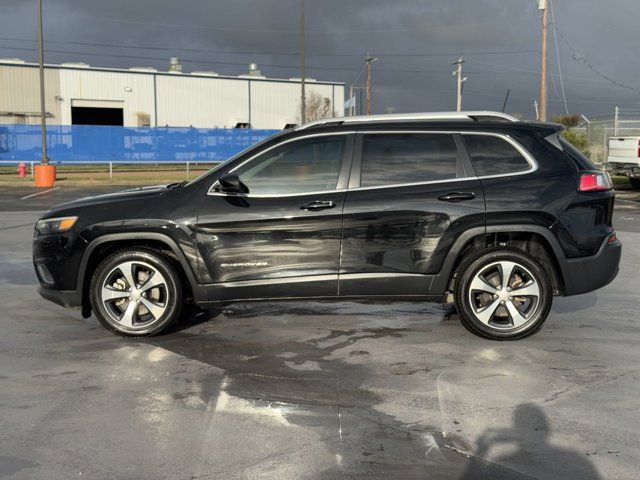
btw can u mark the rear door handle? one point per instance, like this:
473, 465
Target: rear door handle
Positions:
457, 197
318, 205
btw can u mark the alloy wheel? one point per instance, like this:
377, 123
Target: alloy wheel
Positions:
135, 295
504, 295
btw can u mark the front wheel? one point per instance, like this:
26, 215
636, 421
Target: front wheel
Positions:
136, 292
502, 294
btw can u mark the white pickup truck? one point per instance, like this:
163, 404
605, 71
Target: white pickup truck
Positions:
624, 159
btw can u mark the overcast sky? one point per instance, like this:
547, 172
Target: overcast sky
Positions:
415, 40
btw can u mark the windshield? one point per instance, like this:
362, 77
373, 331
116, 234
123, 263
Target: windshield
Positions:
237, 155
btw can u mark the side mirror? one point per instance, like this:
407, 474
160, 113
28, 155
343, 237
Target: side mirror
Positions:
230, 183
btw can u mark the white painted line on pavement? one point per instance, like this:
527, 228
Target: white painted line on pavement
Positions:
39, 193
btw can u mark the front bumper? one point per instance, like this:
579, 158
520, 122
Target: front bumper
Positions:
66, 298
582, 275
56, 260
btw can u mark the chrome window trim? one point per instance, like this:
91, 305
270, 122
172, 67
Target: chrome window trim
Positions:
274, 195
210, 192
523, 151
527, 156
533, 164
398, 117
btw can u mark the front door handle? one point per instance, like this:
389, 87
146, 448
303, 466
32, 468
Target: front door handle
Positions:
318, 205
457, 197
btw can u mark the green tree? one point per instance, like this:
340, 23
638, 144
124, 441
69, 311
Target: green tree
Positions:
572, 134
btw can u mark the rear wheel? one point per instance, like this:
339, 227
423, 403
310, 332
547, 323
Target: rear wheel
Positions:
502, 294
136, 292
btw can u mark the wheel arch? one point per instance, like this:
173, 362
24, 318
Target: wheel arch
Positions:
109, 243
537, 241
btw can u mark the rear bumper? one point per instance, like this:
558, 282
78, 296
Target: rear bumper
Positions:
582, 275
66, 298
626, 169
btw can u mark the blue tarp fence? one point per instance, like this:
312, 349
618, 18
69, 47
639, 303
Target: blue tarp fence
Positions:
104, 144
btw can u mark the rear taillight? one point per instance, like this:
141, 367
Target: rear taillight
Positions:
638, 148
595, 182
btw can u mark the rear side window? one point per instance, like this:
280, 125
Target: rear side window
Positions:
392, 159
494, 155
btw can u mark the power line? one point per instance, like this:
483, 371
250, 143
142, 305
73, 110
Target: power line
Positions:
576, 80
249, 52
208, 62
273, 30
579, 58
517, 70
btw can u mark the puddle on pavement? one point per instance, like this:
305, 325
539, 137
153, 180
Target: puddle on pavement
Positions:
284, 383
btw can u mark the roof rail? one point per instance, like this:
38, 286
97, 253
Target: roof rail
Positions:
430, 116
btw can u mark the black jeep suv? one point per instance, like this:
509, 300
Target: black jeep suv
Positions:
475, 208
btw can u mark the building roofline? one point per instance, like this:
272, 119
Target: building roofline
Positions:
172, 74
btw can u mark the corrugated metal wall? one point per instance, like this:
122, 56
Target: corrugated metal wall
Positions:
20, 93
135, 90
180, 100
201, 102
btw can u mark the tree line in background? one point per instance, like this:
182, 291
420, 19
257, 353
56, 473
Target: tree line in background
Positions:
574, 136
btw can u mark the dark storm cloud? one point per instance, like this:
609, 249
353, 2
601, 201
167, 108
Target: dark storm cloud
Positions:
415, 41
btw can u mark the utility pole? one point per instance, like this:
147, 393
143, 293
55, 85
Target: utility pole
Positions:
542, 99
460, 82
369, 61
43, 112
303, 97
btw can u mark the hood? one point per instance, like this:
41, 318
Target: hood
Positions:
120, 196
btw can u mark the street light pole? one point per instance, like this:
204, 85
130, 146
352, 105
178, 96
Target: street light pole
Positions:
43, 112
303, 97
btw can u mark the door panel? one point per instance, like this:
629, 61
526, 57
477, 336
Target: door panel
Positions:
262, 238
266, 243
405, 229
395, 238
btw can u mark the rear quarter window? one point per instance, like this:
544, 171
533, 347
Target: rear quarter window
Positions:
494, 156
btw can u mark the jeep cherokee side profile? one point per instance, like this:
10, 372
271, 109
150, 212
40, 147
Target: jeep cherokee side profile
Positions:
476, 208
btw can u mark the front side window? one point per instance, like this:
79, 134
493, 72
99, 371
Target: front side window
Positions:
308, 165
394, 159
494, 156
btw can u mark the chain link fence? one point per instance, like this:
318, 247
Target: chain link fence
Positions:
598, 131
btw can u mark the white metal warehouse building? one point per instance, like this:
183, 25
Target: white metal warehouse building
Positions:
137, 97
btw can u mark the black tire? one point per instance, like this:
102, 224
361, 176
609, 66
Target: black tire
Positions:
635, 183
164, 300
502, 325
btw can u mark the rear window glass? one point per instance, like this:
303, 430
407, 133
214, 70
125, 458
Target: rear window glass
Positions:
393, 159
494, 156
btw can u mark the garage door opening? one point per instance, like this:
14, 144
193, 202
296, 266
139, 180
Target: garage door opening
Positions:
97, 116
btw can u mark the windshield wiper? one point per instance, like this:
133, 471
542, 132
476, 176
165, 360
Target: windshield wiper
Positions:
177, 184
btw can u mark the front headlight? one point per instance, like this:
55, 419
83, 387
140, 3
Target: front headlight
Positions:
55, 225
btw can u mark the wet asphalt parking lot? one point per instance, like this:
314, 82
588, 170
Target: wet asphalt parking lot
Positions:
315, 390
